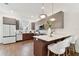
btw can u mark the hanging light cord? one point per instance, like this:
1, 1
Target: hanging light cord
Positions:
52, 7
43, 8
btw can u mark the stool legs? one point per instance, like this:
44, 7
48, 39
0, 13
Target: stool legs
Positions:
73, 50
54, 54
48, 53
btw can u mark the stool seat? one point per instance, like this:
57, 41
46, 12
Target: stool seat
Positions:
59, 48
56, 49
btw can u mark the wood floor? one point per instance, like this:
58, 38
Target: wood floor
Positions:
23, 48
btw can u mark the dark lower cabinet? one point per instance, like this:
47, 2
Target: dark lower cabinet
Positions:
40, 48
27, 36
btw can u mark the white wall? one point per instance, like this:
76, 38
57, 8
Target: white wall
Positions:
71, 16
7, 13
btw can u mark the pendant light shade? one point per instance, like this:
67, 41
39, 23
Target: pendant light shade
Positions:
43, 15
52, 19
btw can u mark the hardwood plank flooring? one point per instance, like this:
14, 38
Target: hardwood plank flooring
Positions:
23, 48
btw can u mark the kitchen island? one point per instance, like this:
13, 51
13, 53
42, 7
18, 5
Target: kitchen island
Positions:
41, 43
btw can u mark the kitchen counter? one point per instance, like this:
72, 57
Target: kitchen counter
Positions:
54, 37
41, 42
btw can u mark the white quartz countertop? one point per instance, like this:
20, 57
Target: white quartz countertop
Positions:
54, 37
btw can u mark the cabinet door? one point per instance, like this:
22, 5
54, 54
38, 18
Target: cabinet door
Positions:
9, 40
12, 30
37, 48
5, 30
40, 48
19, 37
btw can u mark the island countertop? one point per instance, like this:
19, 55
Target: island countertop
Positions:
54, 37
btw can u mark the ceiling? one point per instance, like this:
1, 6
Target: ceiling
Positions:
29, 10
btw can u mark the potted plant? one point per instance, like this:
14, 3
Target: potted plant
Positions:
50, 24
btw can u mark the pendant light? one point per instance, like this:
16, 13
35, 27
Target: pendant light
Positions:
43, 15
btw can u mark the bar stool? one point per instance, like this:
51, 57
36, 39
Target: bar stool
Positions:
59, 48
68, 48
72, 43
77, 46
